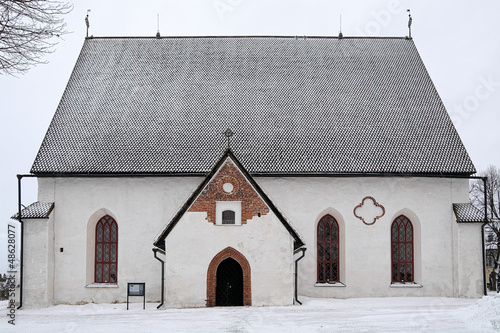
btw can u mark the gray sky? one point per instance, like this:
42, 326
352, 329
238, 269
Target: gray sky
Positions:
459, 42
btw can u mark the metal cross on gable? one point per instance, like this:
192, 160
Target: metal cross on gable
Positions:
228, 133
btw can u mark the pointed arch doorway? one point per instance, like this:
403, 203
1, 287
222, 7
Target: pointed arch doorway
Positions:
229, 283
228, 280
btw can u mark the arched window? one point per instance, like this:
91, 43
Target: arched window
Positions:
402, 250
328, 249
106, 250
228, 217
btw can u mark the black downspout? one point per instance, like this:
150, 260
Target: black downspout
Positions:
296, 276
482, 235
21, 264
155, 250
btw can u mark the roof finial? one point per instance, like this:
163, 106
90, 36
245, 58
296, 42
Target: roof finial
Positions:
340, 31
158, 25
228, 133
87, 21
409, 23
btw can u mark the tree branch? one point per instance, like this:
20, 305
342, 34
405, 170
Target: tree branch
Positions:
27, 32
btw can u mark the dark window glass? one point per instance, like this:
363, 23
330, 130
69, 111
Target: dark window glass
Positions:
228, 217
328, 249
402, 250
106, 250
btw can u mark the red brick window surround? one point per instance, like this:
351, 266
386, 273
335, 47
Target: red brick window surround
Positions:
106, 250
228, 252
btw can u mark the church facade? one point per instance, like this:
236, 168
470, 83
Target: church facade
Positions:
249, 170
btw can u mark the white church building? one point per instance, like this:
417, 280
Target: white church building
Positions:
204, 167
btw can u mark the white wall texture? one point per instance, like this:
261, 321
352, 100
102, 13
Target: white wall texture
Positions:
192, 244
448, 255
141, 206
38, 272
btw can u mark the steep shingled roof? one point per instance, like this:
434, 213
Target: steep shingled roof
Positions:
468, 213
297, 105
36, 210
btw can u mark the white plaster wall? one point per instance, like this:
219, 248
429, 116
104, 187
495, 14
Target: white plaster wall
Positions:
141, 206
38, 263
367, 268
468, 244
193, 243
447, 261
470, 279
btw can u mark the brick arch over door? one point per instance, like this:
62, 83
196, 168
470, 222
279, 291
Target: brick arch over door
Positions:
229, 252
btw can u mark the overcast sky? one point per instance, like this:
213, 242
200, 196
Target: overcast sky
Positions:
459, 42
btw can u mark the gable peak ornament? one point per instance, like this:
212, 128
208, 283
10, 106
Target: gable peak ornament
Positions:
228, 134
369, 210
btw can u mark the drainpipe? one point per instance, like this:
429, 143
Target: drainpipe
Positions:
155, 250
19, 177
482, 234
296, 269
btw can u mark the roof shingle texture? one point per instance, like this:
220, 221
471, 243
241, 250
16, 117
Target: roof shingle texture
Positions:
296, 105
36, 210
468, 213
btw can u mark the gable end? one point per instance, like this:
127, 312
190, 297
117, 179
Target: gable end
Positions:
192, 200
240, 190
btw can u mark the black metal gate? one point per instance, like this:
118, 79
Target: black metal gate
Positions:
229, 289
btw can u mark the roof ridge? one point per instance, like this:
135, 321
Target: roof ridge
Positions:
249, 36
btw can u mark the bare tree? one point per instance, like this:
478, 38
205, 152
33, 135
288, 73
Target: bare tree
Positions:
4, 290
27, 32
493, 209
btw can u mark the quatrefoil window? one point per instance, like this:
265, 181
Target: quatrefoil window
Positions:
369, 210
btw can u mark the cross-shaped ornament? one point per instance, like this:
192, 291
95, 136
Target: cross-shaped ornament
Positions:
228, 133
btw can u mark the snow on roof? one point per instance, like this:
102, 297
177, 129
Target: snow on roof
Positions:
467, 213
37, 210
310, 105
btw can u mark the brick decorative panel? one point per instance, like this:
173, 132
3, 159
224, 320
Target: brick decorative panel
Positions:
239, 190
228, 252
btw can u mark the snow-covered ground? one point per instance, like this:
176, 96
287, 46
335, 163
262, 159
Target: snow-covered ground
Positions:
426, 314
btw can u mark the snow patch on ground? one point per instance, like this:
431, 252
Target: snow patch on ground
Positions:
396, 314
484, 314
